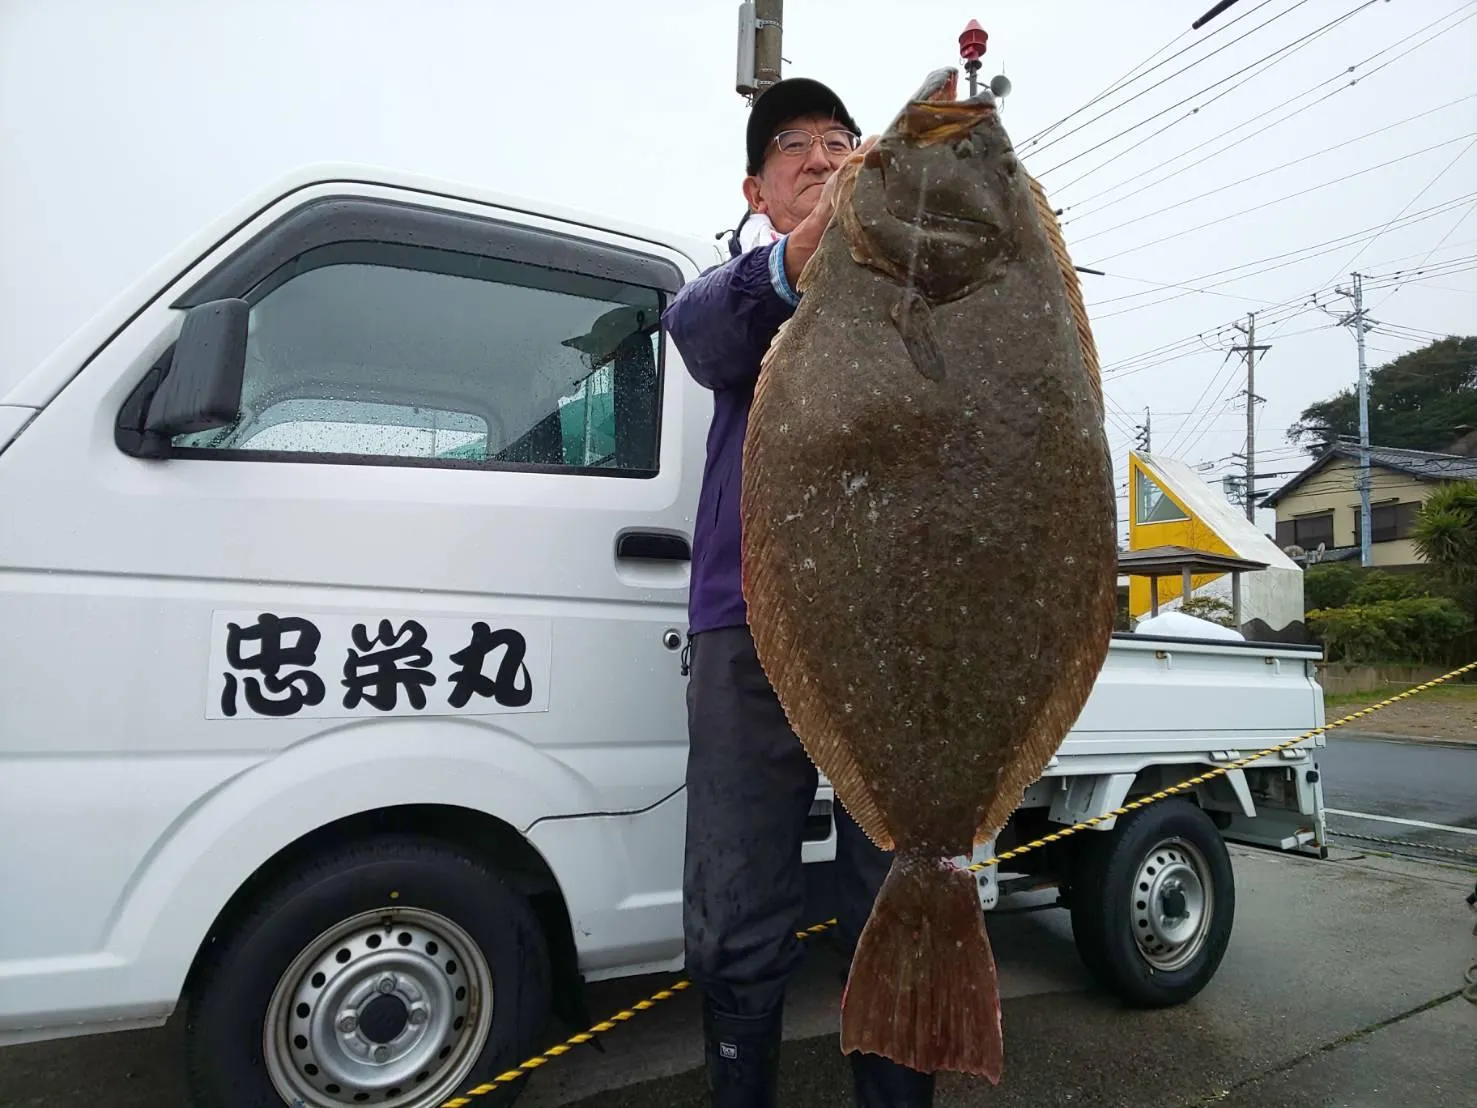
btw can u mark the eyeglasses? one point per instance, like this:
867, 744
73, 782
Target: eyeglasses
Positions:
793, 144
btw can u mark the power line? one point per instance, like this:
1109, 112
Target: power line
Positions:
1262, 173
1035, 139
1166, 361
1472, 135
1419, 267
1265, 64
1295, 257
1425, 189
1296, 43
1168, 446
1437, 269
1263, 126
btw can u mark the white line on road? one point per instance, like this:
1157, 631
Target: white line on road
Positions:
1403, 822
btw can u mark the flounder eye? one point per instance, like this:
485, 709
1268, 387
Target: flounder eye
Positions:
1010, 163
964, 148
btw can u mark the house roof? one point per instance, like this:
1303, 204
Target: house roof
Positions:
1425, 465
1165, 561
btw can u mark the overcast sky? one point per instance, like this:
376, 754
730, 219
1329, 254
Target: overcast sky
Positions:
126, 124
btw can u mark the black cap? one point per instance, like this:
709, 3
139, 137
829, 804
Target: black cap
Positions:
790, 99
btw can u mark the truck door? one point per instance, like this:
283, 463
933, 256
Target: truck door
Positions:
449, 510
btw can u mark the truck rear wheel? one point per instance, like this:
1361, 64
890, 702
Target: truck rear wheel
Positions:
394, 972
1153, 902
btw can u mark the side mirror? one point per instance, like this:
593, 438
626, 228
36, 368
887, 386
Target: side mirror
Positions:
203, 386
197, 389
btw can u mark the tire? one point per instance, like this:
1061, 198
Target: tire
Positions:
398, 945
1170, 856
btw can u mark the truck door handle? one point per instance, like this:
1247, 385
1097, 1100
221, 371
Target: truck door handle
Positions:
653, 546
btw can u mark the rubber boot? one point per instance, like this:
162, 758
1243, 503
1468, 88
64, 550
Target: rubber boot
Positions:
742, 1054
882, 1083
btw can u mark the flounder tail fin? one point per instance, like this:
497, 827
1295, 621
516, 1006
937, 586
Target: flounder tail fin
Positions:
922, 989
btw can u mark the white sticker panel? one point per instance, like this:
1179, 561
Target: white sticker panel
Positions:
297, 665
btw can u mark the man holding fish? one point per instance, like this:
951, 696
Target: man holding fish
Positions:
750, 783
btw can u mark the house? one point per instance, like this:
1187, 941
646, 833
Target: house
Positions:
1174, 512
1320, 506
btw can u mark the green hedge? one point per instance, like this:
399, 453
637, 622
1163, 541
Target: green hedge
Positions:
1404, 629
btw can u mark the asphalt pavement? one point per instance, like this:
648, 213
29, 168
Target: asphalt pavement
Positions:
1416, 795
1340, 988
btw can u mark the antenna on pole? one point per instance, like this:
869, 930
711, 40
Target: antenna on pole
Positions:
973, 42
759, 31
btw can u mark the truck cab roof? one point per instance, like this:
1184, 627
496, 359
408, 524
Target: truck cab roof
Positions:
36, 387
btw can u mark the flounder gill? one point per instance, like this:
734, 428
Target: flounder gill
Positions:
930, 542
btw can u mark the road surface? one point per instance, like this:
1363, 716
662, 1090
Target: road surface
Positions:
1415, 793
1340, 988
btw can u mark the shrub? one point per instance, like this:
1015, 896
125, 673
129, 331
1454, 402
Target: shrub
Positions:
1328, 586
1410, 629
1374, 586
1211, 608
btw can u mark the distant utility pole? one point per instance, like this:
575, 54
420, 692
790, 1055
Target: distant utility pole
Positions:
1144, 430
1360, 323
1251, 350
759, 33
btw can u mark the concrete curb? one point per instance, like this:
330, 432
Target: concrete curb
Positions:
1381, 736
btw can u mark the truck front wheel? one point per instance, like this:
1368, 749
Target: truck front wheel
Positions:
393, 972
1152, 903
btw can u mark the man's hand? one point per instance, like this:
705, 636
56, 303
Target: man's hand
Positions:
806, 237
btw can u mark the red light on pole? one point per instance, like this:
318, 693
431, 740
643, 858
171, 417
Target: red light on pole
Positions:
972, 41
972, 49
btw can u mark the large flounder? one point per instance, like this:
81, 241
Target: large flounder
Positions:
930, 542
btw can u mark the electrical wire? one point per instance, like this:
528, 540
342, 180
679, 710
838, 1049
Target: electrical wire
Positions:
1034, 140
1472, 135
1294, 257
1266, 63
1261, 173
1435, 269
1262, 125
1419, 267
1347, 266
1338, 244
1296, 43
1210, 381
1189, 444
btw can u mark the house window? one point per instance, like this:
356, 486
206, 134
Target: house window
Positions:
1306, 531
1151, 503
408, 355
1389, 522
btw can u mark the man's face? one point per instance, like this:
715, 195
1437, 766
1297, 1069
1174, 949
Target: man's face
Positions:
787, 187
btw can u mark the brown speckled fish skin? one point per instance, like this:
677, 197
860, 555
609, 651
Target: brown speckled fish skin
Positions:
930, 553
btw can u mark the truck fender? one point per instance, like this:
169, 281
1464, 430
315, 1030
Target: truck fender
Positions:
1093, 796
170, 905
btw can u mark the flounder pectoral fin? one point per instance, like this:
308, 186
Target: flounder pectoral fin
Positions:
914, 321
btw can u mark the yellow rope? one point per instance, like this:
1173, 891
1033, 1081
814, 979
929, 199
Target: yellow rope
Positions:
672, 990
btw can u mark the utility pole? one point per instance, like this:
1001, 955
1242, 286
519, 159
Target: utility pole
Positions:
1144, 430
1251, 350
768, 27
1361, 324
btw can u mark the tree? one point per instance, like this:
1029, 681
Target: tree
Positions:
1446, 532
1421, 401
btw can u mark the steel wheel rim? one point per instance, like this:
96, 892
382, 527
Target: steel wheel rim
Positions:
1171, 904
390, 1008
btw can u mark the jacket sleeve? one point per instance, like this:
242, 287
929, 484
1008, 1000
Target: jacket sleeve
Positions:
723, 321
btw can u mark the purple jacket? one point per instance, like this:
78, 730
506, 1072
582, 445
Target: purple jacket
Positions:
722, 324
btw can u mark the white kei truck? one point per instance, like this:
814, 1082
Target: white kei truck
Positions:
344, 563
